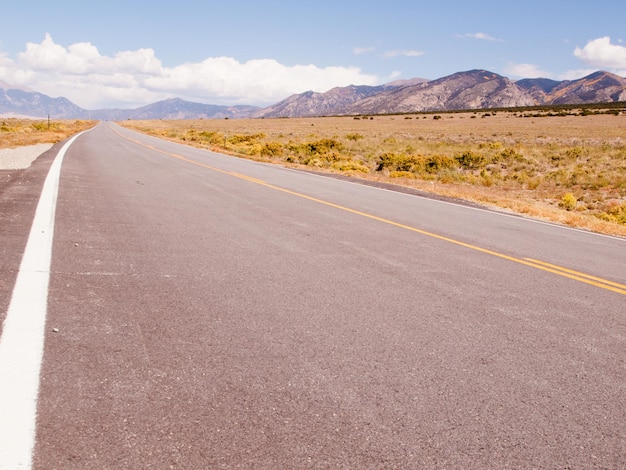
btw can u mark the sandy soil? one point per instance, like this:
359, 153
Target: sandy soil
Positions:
21, 157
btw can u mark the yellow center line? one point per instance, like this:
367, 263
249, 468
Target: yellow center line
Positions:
541, 265
605, 283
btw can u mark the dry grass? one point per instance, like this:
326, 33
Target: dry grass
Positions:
19, 132
568, 169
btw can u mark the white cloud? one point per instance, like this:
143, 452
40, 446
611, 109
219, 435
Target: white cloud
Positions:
83, 58
575, 74
264, 80
519, 71
403, 53
601, 53
363, 50
526, 71
481, 36
132, 78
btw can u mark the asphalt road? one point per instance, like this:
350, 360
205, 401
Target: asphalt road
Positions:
206, 311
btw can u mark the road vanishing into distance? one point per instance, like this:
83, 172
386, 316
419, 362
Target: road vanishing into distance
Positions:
205, 311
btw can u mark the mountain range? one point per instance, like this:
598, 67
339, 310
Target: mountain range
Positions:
474, 89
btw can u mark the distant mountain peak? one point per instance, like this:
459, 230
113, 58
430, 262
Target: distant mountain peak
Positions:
598, 87
472, 89
407, 82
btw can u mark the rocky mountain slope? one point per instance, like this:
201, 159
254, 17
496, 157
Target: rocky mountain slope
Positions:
22, 101
175, 108
334, 101
599, 87
474, 89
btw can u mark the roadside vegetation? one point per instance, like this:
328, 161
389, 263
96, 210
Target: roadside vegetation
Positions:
19, 132
559, 164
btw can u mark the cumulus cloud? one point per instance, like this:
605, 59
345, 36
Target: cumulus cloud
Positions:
601, 53
403, 53
84, 58
132, 78
532, 71
527, 71
264, 80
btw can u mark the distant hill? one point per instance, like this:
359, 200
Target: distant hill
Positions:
19, 101
23, 102
335, 101
175, 108
474, 89
599, 87
463, 90
538, 88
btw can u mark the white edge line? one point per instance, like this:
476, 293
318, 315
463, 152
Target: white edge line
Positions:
22, 340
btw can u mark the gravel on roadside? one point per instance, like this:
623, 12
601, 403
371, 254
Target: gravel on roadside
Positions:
21, 157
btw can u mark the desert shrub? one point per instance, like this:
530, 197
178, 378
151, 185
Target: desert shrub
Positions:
450, 176
520, 177
250, 149
496, 145
314, 161
575, 153
245, 138
568, 201
354, 136
402, 174
487, 178
510, 154
615, 212
208, 137
469, 160
272, 149
399, 162
207, 134
350, 165
436, 163
318, 147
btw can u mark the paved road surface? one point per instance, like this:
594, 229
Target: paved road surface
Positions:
211, 312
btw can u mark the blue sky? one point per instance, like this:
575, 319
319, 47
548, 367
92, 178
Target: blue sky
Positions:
130, 53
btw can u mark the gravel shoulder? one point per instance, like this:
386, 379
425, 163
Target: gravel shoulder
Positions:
21, 157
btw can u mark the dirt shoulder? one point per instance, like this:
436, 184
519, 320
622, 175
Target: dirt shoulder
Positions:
21, 157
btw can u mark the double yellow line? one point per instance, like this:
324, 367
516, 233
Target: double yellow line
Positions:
577, 276
551, 268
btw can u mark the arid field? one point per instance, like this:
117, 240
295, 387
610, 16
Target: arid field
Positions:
568, 168
19, 132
